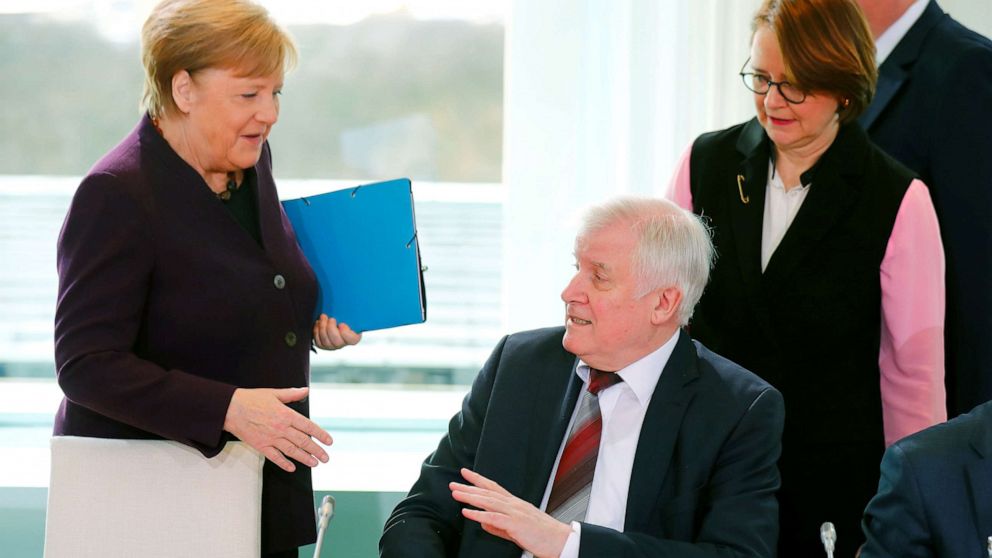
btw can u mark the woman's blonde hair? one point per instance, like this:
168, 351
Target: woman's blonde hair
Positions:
193, 35
826, 46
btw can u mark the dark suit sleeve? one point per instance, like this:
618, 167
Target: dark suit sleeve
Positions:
739, 509
961, 181
105, 263
894, 524
428, 522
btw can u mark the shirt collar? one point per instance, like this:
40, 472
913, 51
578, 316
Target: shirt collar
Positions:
888, 40
642, 375
775, 181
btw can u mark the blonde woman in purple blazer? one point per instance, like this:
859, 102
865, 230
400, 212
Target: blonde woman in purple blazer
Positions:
186, 309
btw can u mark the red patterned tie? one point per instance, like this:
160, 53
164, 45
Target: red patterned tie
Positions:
573, 480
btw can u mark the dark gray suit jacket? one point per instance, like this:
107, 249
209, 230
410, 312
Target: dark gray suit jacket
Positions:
704, 475
933, 112
935, 496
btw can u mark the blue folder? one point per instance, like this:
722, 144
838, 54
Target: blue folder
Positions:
362, 244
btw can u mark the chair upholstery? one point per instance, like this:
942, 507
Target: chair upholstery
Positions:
152, 498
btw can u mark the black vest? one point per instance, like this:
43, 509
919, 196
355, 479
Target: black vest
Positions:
810, 324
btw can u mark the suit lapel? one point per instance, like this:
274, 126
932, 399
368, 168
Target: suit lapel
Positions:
660, 430
894, 72
890, 80
747, 216
551, 413
832, 192
980, 474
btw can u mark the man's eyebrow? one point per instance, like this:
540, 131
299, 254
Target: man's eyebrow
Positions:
598, 265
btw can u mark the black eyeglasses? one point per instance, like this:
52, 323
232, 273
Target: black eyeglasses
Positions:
762, 84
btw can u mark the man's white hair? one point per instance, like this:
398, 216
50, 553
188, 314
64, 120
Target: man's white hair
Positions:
673, 246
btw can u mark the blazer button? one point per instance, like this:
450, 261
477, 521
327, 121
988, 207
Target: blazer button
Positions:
279, 281
291, 339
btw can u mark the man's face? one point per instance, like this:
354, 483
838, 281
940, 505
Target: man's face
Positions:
606, 324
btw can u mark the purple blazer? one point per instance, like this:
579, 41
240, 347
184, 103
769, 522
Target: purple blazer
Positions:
166, 305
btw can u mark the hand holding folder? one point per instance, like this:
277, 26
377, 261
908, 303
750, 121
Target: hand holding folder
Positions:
362, 244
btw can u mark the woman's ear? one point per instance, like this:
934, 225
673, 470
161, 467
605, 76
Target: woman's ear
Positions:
182, 91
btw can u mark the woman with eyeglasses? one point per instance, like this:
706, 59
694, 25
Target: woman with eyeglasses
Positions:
830, 277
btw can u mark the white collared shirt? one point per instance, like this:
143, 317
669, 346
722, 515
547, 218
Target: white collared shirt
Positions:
781, 208
890, 38
622, 407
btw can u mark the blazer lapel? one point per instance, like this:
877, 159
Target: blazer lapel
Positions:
832, 192
269, 208
980, 475
660, 430
894, 72
890, 80
550, 415
748, 206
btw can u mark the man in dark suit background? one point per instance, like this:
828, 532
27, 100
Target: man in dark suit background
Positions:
935, 496
675, 456
933, 112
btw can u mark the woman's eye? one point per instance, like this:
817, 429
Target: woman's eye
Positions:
249, 95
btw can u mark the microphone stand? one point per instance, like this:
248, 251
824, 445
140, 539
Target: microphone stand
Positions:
828, 536
326, 512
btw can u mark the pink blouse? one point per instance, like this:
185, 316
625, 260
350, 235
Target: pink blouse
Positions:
911, 353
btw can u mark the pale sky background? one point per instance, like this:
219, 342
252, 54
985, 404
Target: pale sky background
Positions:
120, 20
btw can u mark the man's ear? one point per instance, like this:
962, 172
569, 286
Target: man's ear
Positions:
182, 91
668, 301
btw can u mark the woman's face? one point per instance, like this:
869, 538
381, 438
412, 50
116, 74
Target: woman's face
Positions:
228, 117
807, 125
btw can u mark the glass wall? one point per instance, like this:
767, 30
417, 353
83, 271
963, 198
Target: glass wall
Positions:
383, 89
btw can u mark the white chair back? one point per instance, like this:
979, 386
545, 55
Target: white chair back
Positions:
152, 498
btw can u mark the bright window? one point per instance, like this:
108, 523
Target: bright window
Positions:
383, 89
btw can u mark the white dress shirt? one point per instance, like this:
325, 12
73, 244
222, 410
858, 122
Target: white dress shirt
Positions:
780, 210
622, 407
888, 40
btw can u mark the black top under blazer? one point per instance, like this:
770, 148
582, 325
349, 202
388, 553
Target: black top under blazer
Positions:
810, 323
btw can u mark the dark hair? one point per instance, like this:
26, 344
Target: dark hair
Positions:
826, 47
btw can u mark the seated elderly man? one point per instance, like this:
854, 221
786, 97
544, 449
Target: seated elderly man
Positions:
616, 435
935, 496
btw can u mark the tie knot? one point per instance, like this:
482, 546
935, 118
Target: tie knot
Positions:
598, 381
